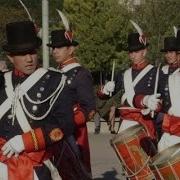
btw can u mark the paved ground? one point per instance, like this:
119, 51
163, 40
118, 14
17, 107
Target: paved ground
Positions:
105, 163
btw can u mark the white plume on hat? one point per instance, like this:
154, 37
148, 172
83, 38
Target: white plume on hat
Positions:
68, 33
64, 20
29, 15
39, 30
175, 31
142, 37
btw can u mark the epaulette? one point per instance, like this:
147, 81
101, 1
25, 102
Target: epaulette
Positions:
55, 70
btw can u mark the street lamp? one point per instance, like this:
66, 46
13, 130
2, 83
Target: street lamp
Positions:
45, 32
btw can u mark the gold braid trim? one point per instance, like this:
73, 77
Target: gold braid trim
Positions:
36, 147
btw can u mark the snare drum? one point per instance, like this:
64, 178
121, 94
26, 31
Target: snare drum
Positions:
165, 165
134, 160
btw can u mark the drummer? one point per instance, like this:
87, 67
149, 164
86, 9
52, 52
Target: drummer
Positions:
171, 67
170, 116
138, 83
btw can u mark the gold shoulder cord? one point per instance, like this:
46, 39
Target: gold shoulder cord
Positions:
34, 140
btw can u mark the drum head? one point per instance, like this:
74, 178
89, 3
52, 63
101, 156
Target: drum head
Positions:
129, 132
168, 154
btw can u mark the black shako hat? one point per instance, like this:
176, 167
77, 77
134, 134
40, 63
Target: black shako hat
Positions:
134, 43
178, 40
21, 37
61, 38
170, 44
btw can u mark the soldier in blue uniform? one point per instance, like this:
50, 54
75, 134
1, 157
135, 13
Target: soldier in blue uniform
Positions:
35, 110
172, 66
168, 93
137, 85
79, 81
170, 54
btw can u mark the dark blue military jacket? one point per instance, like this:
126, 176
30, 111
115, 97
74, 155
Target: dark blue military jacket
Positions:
80, 83
144, 87
164, 89
60, 116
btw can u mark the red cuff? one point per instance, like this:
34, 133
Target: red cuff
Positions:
79, 117
137, 101
171, 124
166, 122
34, 140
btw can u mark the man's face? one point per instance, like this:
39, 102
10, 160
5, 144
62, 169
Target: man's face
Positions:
62, 54
26, 63
178, 56
171, 57
137, 56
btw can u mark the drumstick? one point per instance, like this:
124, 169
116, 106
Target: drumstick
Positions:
129, 108
156, 85
112, 74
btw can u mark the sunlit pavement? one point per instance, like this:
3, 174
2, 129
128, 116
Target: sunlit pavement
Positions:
104, 161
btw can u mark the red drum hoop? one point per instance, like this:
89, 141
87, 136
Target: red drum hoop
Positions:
165, 165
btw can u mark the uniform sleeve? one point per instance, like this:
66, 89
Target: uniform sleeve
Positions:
138, 98
62, 114
60, 124
85, 92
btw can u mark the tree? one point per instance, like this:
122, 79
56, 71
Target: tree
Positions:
157, 19
100, 27
11, 11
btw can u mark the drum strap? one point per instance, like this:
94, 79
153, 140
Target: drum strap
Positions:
174, 172
129, 84
159, 172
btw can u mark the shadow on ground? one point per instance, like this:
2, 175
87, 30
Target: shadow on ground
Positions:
108, 175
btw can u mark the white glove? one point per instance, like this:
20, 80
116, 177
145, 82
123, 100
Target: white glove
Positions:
13, 147
109, 87
152, 101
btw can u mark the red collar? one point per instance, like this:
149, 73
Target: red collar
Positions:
68, 61
18, 73
174, 65
140, 66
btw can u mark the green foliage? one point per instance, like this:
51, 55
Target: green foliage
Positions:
157, 17
102, 26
